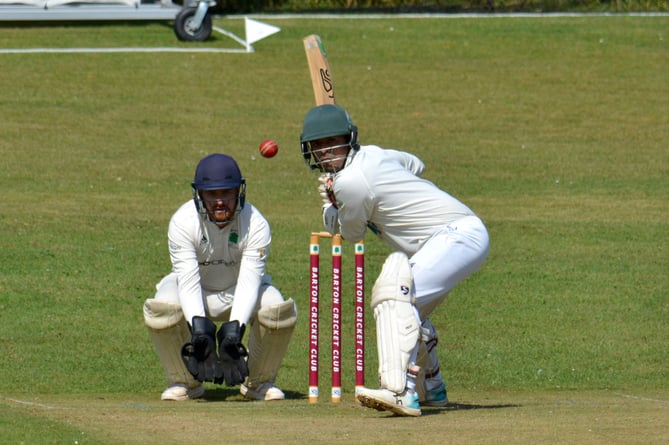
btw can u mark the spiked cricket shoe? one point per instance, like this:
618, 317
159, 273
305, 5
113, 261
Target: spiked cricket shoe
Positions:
404, 404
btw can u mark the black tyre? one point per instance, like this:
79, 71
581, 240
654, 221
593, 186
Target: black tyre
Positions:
186, 31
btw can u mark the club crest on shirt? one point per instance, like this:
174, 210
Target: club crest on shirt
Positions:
233, 238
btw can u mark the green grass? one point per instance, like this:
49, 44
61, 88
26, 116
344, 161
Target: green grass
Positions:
553, 129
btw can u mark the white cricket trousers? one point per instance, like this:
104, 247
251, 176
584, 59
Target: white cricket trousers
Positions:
452, 254
217, 304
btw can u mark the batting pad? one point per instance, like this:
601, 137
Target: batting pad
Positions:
161, 315
169, 332
268, 341
395, 281
427, 359
397, 323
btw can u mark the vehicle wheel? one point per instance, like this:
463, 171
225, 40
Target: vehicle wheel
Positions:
186, 31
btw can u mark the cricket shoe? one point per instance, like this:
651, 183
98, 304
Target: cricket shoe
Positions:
181, 392
404, 404
436, 397
265, 391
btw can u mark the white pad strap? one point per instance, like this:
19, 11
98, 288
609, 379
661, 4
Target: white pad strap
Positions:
268, 341
397, 323
427, 360
427, 357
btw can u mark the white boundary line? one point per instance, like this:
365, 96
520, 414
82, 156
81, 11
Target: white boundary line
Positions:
121, 50
319, 16
443, 15
24, 402
646, 399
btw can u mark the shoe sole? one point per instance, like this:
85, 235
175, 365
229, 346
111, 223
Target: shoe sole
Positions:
381, 405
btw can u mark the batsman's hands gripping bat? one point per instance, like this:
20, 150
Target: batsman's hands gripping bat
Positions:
330, 207
232, 352
199, 355
326, 189
319, 69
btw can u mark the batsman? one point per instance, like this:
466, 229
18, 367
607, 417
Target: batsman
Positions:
437, 241
218, 244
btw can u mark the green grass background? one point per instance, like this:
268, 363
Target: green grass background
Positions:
554, 130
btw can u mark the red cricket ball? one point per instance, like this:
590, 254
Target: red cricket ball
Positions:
268, 148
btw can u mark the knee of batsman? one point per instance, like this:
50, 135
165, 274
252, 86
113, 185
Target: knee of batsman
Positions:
395, 282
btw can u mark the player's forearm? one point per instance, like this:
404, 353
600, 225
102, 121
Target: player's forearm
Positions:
247, 290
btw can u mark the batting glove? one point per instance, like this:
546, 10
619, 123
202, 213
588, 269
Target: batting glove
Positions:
326, 189
331, 218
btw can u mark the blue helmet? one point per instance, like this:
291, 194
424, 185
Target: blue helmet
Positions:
218, 172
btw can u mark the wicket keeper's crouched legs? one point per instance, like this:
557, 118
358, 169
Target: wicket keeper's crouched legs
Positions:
169, 332
270, 331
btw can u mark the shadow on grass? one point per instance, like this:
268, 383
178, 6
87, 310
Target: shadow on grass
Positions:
222, 393
454, 406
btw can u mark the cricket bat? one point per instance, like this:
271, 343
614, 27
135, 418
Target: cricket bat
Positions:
319, 68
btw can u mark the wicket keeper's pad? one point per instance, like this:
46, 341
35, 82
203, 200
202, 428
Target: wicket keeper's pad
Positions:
169, 332
397, 324
268, 341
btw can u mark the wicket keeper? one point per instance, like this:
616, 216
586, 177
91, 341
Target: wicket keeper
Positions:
218, 244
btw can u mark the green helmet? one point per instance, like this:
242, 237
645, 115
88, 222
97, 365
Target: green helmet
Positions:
326, 121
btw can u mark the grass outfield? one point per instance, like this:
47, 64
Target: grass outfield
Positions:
554, 130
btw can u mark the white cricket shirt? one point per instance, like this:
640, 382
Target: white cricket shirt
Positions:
382, 188
207, 259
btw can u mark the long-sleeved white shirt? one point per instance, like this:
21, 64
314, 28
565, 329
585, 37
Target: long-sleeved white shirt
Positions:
382, 189
207, 259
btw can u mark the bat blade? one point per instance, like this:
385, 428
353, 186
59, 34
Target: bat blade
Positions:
319, 69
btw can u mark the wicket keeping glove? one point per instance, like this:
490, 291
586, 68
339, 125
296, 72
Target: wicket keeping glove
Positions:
232, 352
199, 355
